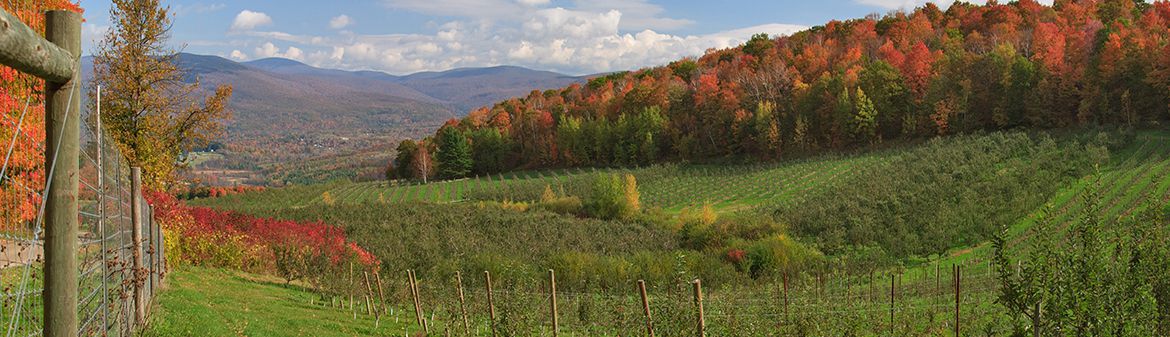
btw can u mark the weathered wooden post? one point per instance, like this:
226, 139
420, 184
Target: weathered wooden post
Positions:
418, 313
646, 308
22, 49
381, 294
785, 296
462, 304
958, 282
1036, 321
487, 277
371, 309
552, 291
152, 226
891, 304
699, 305
136, 244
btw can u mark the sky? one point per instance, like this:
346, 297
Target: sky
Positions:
400, 37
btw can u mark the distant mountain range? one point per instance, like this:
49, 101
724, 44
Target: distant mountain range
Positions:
287, 112
274, 96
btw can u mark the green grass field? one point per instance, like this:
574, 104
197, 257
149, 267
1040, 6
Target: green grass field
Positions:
216, 302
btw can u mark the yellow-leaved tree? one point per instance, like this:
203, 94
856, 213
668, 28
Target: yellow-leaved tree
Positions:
149, 109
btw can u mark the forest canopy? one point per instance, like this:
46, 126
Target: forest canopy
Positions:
846, 84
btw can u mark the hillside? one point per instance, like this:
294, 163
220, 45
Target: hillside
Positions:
286, 112
840, 86
828, 223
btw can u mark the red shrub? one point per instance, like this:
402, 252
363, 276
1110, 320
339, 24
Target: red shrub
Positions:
294, 250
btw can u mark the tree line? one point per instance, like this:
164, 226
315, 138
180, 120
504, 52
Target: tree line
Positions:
842, 85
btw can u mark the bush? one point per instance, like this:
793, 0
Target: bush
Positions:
562, 205
313, 251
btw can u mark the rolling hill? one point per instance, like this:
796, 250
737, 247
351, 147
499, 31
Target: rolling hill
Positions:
286, 112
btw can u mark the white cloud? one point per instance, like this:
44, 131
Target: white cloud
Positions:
271, 50
238, 55
340, 21
594, 37
92, 34
636, 14
911, 4
247, 20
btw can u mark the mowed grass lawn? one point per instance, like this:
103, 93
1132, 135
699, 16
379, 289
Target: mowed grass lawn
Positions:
216, 302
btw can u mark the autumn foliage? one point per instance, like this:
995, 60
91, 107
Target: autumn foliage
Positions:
924, 73
312, 251
22, 108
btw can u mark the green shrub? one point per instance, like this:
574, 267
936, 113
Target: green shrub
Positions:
612, 198
562, 205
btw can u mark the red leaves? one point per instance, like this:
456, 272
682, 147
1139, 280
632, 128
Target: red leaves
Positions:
206, 233
891, 55
1048, 47
736, 256
918, 69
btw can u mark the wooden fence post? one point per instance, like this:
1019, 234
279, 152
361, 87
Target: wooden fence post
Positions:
487, 277
937, 279
958, 283
646, 308
699, 305
552, 290
62, 150
462, 304
136, 244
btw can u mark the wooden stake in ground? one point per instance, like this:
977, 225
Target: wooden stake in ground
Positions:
381, 294
891, 304
418, 314
699, 305
487, 277
786, 296
646, 308
370, 308
462, 304
552, 290
958, 282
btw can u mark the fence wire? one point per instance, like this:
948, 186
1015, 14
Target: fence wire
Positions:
106, 277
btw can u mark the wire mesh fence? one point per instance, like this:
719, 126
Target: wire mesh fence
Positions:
106, 275
887, 304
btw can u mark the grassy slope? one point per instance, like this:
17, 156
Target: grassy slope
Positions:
214, 302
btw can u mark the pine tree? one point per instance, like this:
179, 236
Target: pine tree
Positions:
454, 154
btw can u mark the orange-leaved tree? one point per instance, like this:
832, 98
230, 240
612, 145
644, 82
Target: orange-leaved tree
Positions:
153, 114
22, 123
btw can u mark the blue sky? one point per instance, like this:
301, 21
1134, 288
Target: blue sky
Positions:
407, 36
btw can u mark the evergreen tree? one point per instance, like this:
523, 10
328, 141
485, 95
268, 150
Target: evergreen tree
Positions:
454, 154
